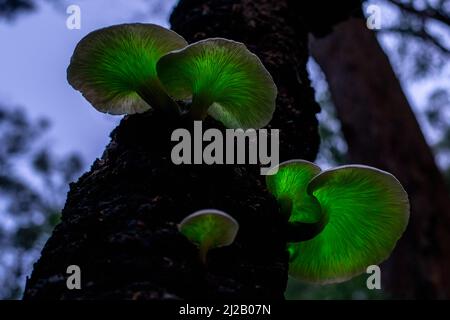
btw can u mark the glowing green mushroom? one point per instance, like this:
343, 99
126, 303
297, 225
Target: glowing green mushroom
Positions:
223, 79
365, 210
209, 229
115, 68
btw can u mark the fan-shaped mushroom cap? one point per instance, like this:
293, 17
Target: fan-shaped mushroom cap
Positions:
224, 79
115, 67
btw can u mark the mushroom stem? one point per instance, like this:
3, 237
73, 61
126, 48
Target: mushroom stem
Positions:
203, 251
154, 94
199, 107
304, 231
297, 231
285, 204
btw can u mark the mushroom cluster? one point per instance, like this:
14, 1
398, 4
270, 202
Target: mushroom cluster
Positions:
339, 221
130, 68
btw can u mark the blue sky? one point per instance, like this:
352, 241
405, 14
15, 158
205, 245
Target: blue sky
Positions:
35, 51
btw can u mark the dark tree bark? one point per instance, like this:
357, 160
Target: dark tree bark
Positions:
381, 130
119, 221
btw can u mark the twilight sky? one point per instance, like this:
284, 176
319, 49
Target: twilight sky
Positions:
35, 52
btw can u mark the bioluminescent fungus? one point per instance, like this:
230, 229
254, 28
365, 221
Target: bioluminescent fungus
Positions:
115, 68
128, 68
364, 212
223, 79
209, 229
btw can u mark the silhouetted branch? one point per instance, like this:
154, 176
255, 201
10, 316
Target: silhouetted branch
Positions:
421, 34
428, 13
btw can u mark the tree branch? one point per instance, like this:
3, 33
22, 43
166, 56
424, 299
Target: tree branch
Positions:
421, 34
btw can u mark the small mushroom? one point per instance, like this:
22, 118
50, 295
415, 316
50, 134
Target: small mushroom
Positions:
365, 211
209, 229
115, 68
223, 79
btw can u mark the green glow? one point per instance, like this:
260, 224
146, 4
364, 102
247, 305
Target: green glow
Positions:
209, 229
367, 211
290, 182
111, 65
364, 210
223, 79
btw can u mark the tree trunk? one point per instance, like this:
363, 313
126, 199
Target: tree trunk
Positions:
119, 221
381, 130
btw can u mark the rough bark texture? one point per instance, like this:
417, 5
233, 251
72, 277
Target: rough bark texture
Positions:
381, 130
119, 222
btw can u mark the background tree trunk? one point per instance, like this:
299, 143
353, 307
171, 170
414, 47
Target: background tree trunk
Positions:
381, 130
119, 221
